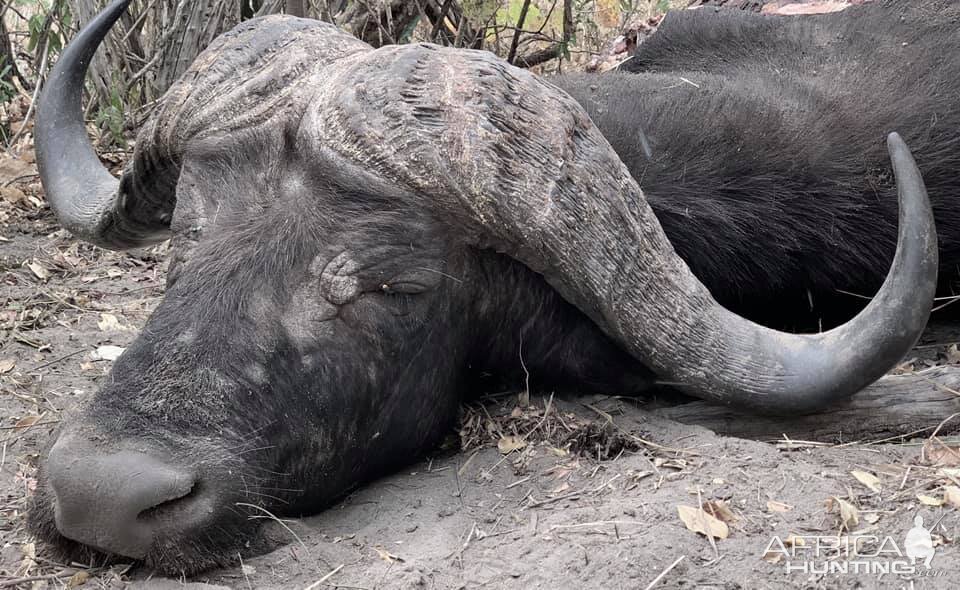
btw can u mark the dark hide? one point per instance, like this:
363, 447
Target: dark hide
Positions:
767, 167
320, 327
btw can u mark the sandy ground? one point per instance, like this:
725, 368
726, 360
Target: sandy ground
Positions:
602, 513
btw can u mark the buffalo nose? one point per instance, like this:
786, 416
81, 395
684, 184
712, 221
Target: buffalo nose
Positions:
116, 502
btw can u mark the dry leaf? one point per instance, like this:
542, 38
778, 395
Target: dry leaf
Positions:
27, 422
720, 510
12, 195
114, 273
7, 365
386, 555
871, 517
38, 271
951, 496
849, 515
937, 453
699, 521
78, 579
11, 167
772, 556
774, 506
558, 472
508, 444
109, 323
952, 354
107, 353
29, 561
868, 479
929, 500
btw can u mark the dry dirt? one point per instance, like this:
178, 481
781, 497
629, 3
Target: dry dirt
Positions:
588, 503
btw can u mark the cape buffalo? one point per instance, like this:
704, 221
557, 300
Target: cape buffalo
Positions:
357, 232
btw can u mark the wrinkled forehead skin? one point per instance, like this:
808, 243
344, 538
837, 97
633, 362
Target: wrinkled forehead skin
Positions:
261, 73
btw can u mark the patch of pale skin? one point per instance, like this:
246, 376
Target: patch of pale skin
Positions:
306, 318
186, 337
292, 183
260, 307
807, 8
256, 373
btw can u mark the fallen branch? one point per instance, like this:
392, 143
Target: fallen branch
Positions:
895, 406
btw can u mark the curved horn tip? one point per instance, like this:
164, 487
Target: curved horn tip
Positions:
898, 150
833, 365
82, 193
894, 141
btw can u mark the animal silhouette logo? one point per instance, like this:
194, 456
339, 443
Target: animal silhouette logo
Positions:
919, 543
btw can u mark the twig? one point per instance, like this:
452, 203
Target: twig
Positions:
27, 579
6, 6
525, 395
30, 425
36, 93
243, 569
546, 412
606, 416
329, 575
516, 483
57, 360
556, 50
276, 519
19, 178
567, 496
701, 516
665, 572
511, 56
439, 24
599, 523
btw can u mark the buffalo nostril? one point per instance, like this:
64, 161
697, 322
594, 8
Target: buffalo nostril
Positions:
117, 502
169, 507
